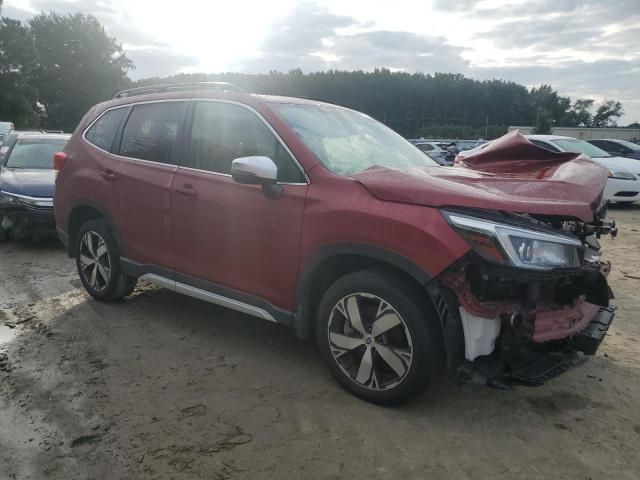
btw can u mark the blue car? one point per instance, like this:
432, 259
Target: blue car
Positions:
27, 183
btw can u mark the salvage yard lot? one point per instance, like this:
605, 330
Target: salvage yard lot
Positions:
165, 386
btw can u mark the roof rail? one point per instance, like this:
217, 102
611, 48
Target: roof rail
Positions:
179, 87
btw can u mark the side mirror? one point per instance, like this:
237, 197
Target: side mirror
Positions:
257, 170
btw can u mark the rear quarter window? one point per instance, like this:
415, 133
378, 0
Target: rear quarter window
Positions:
103, 131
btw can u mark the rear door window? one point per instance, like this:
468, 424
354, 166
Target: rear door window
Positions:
103, 131
222, 132
152, 131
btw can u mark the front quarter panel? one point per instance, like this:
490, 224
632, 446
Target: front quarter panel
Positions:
341, 211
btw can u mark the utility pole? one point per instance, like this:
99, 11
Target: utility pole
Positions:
486, 127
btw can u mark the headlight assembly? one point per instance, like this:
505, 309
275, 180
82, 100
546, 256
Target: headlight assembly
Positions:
520, 247
621, 175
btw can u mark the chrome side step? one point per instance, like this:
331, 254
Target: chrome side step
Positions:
207, 296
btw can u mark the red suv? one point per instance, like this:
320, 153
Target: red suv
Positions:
318, 217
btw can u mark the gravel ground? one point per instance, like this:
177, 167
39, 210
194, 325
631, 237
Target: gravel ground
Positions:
164, 386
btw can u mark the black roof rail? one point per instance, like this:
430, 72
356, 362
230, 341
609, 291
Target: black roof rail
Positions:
179, 87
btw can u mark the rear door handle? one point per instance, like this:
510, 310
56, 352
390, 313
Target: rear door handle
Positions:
108, 175
187, 189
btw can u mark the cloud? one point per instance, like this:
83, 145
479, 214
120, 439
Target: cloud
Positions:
157, 62
16, 13
309, 38
455, 5
609, 11
117, 22
552, 24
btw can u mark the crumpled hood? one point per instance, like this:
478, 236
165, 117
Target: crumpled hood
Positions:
511, 174
33, 183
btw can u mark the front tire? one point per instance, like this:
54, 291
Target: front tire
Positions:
98, 263
376, 337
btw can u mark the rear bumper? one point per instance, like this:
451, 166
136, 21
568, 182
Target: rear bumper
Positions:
63, 237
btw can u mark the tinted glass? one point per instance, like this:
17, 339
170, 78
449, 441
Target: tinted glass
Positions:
5, 127
580, 146
222, 132
152, 130
348, 142
629, 145
538, 143
36, 154
102, 133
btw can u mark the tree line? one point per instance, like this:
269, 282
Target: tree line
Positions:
54, 67
429, 105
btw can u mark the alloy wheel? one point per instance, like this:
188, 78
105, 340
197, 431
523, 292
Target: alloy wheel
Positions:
370, 341
95, 262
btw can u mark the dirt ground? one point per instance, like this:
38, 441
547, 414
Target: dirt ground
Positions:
162, 386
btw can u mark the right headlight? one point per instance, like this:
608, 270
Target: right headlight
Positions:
621, 175
517, 246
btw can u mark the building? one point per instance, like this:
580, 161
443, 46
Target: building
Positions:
585, 133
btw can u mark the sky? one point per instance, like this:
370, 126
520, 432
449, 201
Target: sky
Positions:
583, 48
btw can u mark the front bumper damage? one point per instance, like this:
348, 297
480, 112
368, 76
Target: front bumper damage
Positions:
27, 217
505, 326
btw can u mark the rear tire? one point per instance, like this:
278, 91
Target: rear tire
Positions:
375, 335
98, 263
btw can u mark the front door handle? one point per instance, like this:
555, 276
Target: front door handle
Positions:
187, 189
108, 175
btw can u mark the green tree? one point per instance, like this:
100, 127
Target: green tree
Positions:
18, 61
607, 114
544, 122
545, 100
80, 65
579, 115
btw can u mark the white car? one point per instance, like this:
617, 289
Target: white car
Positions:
623, 185
434, 151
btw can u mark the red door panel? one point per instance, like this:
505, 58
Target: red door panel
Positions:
233, 235
145, 217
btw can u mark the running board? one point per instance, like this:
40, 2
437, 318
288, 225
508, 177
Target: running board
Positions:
207, 296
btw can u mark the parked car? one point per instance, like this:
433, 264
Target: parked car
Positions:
319, 217
435, 152
619, 148
11, 138
624, 173
26, 186
5, 127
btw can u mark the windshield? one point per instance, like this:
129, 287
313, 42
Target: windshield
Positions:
9, 139
348, 142
631, 145
5, 127
580, 146
35, 153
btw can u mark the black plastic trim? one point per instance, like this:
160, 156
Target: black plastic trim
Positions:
63, 237
87, 202
304, 320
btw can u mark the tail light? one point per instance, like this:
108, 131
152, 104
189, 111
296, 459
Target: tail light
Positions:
58, 161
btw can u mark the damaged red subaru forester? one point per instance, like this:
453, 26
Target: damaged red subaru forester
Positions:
319, 217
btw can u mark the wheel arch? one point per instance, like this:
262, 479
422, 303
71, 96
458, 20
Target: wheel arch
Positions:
81, 212
331, 262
